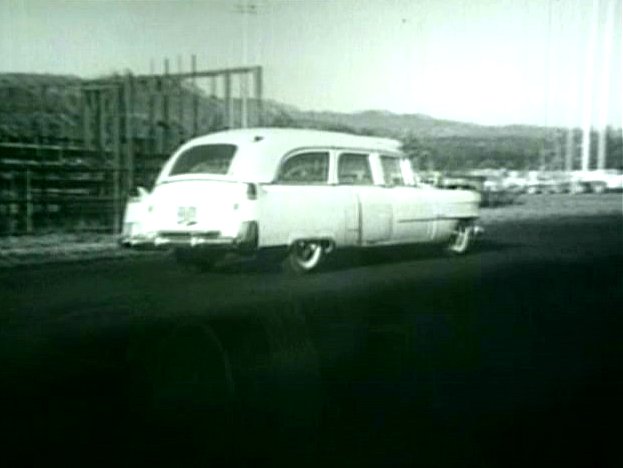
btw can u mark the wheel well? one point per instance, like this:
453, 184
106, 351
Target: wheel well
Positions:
470, 220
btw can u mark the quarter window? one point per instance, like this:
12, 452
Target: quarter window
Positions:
392, 175
312, 167
354, 168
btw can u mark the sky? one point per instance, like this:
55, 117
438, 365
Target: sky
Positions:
495, 62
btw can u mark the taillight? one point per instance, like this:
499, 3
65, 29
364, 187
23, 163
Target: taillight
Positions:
251, 192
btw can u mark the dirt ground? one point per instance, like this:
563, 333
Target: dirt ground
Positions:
551, 206
59, 247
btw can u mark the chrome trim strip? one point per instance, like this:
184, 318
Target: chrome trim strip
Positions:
415, 220
436, 218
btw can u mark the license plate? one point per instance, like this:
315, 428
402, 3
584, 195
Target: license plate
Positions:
187, 215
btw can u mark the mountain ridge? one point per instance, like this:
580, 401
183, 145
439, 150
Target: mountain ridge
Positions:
444, 143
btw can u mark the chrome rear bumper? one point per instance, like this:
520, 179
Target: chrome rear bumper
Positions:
246, 239
191, 239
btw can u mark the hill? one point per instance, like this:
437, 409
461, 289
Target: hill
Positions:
48, 108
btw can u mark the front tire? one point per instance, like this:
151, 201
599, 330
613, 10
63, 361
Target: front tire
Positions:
304, 257
461, 239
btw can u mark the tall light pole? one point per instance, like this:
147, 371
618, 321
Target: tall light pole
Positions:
588, 88
245, 8
604, 86
574, 91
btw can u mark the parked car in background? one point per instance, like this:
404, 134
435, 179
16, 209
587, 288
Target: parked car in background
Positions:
494, 185
575, 182
599, 181
463, 181
304, 193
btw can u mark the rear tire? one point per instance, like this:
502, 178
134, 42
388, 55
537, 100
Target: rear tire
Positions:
304, 257
461, 239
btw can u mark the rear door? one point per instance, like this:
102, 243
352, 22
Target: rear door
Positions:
301, 203
413, 208
372, 205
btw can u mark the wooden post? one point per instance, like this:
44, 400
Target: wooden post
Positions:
229, 102
44, 196
213, 90
244, 84
43, 132
258, 95
128, 101
62, 133
14, 195
558, 151
151, 131
116, 146
180, 102
28, 201
86, 119
165, 107
193, 66
217, 119
101, 121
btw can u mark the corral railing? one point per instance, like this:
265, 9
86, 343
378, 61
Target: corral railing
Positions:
58, 194
72, 152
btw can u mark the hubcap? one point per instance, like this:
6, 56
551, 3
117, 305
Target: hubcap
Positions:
462, 239
308, 254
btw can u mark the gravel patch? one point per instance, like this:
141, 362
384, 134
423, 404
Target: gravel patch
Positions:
57, 248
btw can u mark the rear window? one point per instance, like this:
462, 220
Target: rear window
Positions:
204, 159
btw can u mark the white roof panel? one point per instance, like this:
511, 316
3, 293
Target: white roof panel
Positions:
261, 149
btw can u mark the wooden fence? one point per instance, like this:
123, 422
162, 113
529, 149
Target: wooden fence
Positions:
76, 167
52, 196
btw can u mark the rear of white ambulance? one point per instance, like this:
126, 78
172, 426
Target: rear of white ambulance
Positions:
196, 204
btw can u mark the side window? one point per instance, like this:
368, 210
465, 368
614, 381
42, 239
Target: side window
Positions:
311, 167
392, 175
354, 168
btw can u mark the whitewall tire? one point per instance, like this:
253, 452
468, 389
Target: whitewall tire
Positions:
304, 257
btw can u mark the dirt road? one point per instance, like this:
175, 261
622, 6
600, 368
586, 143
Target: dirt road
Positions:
510, 356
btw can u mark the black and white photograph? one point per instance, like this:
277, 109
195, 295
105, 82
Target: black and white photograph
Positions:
311, 233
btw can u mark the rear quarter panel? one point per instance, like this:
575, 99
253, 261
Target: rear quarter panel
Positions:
450, 207
290, 212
